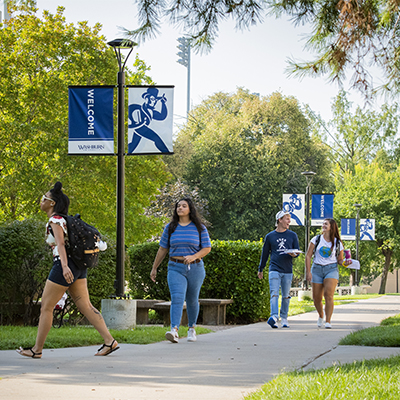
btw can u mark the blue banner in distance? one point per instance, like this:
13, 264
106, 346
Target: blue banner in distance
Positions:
321, 208
348, 229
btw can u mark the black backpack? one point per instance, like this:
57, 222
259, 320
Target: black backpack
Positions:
337, 249
82, 239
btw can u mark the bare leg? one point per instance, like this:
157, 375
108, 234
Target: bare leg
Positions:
318, 291
52, 293
80, 295
329, 291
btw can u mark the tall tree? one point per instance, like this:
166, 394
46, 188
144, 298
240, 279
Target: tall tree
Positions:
349, 37
376, 189
39, 59
345, 35
358, 136
243, 153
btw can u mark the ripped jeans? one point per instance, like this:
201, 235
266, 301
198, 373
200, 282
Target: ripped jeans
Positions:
278, 280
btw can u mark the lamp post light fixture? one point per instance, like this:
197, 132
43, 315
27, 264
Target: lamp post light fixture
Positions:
358, 207
184, 59
309, 177
118, 45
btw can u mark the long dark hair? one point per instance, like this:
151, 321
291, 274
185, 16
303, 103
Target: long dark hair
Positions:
333, 233
61, 199
193, 215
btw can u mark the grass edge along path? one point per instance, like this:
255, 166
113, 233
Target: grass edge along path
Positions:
387, 334
360, 380
11, 337
369, 379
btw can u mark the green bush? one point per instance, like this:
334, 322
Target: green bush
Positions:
231, 273
141, 286
231, 269
25, 260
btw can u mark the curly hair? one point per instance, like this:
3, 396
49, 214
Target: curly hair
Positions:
61, 199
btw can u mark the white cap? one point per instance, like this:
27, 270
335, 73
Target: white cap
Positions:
281, 214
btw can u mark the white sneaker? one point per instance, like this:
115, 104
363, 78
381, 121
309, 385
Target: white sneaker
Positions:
172, 335
285, 323
320, 322
328, 325
191, 337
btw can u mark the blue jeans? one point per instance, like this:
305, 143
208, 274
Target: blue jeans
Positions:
184, 282
283, 281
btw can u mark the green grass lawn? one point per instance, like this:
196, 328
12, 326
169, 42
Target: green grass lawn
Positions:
385, 335
11, 337
372, 379
301, 307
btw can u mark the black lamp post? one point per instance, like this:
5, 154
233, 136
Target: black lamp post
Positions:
357, 206
118, 45
309, 177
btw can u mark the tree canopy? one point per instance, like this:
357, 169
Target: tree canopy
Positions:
376, 189
359, 136
243, 153
349, 37
39, 59
346, 36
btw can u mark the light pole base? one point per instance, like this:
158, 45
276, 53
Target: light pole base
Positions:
119, 313
304, 295
356, 290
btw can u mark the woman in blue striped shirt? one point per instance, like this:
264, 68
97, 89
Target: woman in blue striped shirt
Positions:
187, 241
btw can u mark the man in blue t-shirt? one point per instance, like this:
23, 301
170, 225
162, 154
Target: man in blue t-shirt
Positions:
275, 248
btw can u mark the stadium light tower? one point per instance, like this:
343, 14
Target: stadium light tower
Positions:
184, 59
4, 15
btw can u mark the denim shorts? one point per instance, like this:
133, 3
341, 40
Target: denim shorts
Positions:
56, 274
321, 272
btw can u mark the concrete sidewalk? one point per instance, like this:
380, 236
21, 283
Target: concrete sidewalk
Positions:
226, 364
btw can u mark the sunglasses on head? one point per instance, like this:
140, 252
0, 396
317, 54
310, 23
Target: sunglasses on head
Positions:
46, 198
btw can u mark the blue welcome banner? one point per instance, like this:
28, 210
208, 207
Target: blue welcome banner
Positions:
321, 208
348, 229
91, 127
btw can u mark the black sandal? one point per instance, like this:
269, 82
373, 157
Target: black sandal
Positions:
109, 350
34, 355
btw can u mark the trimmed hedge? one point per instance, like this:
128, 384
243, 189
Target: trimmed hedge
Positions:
24, 266
231, 273
25, 263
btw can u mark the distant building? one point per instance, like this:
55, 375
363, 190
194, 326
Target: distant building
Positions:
4, 15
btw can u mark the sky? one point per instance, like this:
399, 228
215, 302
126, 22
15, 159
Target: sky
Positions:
254, 59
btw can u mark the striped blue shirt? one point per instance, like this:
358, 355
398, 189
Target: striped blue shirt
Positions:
184, 240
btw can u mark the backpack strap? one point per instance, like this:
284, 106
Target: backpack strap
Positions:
337, 247
317, 243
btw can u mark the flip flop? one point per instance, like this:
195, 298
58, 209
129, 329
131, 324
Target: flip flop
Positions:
109, 350
34, 355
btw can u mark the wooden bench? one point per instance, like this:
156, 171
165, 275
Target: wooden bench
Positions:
214, 311
163, 309
142, 310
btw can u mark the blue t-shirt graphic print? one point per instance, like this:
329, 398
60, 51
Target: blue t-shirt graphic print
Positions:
325, 252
